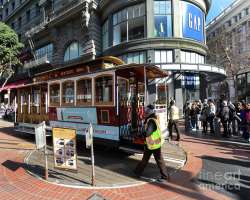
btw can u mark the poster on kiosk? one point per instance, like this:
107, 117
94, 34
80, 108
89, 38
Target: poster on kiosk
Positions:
64, 143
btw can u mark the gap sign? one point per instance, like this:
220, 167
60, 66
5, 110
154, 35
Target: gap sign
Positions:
192, 22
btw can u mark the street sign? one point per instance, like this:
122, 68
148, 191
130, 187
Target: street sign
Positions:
89, 136
64, 143
40, 135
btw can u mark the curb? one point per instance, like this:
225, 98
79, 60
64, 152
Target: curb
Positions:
136, 183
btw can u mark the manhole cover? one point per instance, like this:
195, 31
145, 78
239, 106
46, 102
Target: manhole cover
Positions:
96, 197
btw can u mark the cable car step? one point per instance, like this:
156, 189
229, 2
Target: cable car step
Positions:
131, 150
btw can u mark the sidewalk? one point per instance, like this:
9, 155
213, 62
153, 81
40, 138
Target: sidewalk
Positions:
16, 183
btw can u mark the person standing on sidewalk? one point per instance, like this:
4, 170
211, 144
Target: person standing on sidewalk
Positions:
173, 118
211, 115
153, 142
224, 116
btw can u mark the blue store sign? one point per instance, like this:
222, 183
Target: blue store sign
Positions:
192, 22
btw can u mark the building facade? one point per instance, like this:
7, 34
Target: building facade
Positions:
60, 33
228, 38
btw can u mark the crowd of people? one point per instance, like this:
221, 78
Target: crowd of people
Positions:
210, 116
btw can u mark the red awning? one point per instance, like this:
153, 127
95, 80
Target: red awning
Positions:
14, 85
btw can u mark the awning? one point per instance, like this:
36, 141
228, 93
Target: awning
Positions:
13, 85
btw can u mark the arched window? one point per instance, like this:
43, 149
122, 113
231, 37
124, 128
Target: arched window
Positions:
73, 51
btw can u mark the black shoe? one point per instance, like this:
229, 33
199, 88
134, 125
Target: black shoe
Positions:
162, 180
136, 174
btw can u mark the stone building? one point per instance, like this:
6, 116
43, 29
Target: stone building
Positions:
228, 38
60, 33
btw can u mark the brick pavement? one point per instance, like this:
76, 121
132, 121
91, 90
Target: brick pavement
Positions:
16, 184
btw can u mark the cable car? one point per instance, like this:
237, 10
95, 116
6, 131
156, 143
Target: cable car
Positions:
105, 92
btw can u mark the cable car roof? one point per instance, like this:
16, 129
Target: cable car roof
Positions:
137, 70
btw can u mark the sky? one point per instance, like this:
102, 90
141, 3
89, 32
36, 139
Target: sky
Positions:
217, 7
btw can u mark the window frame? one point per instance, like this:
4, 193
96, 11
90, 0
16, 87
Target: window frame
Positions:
110, 103
55, 104
84, 103
68, 49
62, 93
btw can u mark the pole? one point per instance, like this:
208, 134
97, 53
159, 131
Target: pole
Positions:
145, 87
15, 109
45, 154
92, 155
46, 162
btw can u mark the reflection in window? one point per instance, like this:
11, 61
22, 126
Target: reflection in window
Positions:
45, 51
192, 58
68, 91
73, 51
135, 57
163, 56
84, 91
105, 35
163, 18
103, 89
36, 100
123, 90
54, 94
129, 24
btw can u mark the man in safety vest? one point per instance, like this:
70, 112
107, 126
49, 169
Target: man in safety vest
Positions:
153, 142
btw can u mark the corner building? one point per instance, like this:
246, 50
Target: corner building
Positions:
169, 34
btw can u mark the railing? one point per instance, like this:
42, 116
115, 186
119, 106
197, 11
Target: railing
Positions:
37, 62
53, 17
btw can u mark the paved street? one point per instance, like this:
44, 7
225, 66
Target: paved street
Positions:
16, 183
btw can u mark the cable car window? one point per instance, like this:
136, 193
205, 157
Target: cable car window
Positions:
84, 91
36, 100
123, 89
68, 91
54, 94
103, 90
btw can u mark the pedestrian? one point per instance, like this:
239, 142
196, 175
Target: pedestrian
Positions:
204, 115
232, 119
193, 116
154, 141
198, 114
173, 120
211, 115
187, 117
247, 121
224, 116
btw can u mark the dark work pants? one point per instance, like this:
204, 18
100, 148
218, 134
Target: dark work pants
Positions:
171, 124
226, 128
211, 123
158, 158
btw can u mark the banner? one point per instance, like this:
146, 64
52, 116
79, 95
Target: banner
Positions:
192, 21
64, 143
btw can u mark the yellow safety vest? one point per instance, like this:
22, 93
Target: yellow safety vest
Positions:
154, 141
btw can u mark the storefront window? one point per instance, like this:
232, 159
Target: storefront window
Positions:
163, 18
163, 56
129, 24
103, 90
68, 90
135, 57
54, 94
192, 58
84, 91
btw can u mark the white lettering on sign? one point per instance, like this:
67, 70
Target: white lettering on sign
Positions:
194, 22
